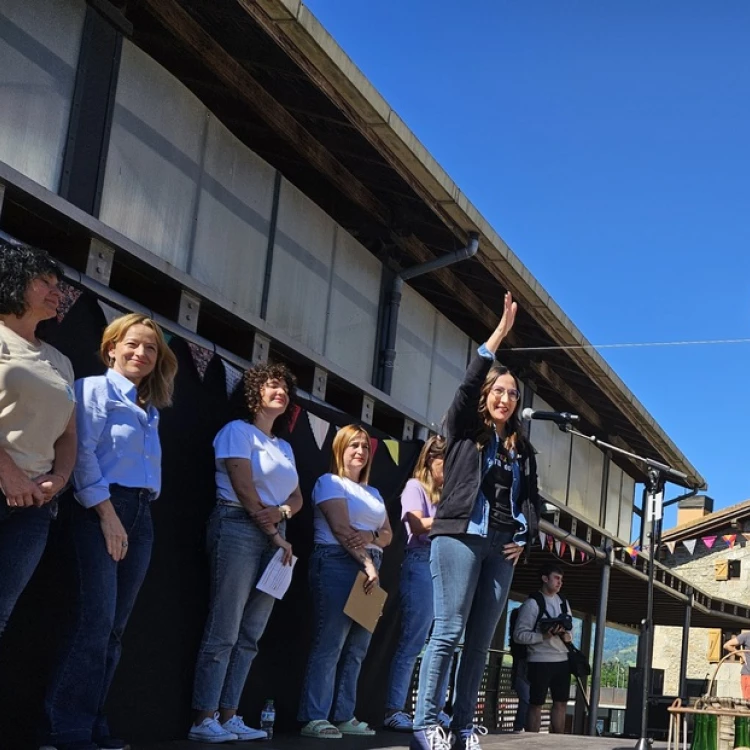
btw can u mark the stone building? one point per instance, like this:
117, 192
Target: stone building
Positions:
711, 551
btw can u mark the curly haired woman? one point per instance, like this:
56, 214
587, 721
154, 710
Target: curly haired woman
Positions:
257, 491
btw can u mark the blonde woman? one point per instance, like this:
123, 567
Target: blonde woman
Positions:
109, 531
418, 504
351, 530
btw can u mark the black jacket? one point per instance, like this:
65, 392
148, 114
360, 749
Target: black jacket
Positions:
463, 461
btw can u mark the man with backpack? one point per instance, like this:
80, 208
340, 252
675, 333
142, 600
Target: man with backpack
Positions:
543, 626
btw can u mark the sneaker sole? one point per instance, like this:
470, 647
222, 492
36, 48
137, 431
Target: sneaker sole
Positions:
211, 740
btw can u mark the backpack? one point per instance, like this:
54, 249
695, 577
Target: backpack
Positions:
520, 651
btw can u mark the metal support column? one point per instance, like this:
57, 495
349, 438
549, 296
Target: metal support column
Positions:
682, 692
579, 712
601, 627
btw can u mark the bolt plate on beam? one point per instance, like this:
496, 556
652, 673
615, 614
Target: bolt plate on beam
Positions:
368, 409
261, 349
100, 261
190, 307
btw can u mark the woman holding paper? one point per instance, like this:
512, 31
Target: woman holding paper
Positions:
257, 492
485, 520
351, 530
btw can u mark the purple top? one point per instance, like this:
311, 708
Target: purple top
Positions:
414, 500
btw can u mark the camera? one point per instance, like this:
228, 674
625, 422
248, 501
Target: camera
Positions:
548, 623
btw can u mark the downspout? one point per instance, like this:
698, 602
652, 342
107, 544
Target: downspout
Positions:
388, 353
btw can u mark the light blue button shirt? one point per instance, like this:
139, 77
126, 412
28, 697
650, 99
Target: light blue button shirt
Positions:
118, 442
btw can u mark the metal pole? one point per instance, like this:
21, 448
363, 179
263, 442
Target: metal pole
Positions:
685, 645
601, 627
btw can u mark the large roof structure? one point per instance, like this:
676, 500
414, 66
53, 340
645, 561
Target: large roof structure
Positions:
278, 80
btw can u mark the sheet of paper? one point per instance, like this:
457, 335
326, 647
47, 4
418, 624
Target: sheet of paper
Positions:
277, 576
365, 609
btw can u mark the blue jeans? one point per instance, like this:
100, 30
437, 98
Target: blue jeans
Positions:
339, 644
415, 593
23, 536
238, 613
106, 593
471, 580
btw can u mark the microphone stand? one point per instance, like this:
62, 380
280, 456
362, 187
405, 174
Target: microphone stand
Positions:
658, 474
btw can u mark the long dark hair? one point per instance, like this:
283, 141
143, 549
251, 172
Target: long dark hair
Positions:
514, 437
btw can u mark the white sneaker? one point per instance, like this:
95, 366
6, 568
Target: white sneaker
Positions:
235, 725
209, 730
470, 737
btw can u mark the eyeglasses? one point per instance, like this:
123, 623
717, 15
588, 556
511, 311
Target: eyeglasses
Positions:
513, 393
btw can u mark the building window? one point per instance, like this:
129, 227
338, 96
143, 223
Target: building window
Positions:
724, 570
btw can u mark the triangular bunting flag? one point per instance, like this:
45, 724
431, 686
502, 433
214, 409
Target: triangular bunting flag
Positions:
393, 449
730, 539
293, 417
68, 297
632, 551
747, 537
550, 542
557, 546
232, 376
572, 553
563, 547
671, 546
708, 541
201, 358
543, 539
374, 445
319, 429
110, 313
690, 545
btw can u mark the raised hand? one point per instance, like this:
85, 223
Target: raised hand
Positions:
510, 308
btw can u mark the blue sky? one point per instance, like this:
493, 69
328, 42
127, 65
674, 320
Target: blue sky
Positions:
608, 144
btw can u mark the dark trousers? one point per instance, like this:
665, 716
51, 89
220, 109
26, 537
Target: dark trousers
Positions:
105, 593
23, 536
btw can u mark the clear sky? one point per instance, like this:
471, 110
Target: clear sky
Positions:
608, 144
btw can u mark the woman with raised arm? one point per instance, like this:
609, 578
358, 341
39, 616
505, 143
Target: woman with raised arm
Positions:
257, 490
351, 530
37, 420
488, 512
418, 505
108, 533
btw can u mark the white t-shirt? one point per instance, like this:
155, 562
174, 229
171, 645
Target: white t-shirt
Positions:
36, 401
365, 504
272, 460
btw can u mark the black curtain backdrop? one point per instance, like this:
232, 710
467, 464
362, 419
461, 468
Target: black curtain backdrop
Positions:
151, 695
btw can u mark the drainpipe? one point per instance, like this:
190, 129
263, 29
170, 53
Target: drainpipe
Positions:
388, 353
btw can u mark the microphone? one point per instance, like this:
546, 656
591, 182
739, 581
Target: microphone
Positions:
558, 417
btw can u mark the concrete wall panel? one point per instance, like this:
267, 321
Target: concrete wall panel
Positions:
627, 498
614, 488
584, 493
154, 161
553, 455
39, 45
233, 219
448, 367
301, 275
353, 310
414, 346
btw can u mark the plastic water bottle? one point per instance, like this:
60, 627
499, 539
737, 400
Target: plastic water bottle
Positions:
267, 718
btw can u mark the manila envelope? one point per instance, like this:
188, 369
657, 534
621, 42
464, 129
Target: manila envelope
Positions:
365, 609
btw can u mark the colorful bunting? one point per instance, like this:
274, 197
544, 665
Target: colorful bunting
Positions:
632, 551
557, 546
572, 553
393, 448
690, 545
68, 297
232, 376
671, 546
562, 549
319, 429
201, 358
293, 417
374, 442
550, 542
543, 539
730, 539
708, 541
